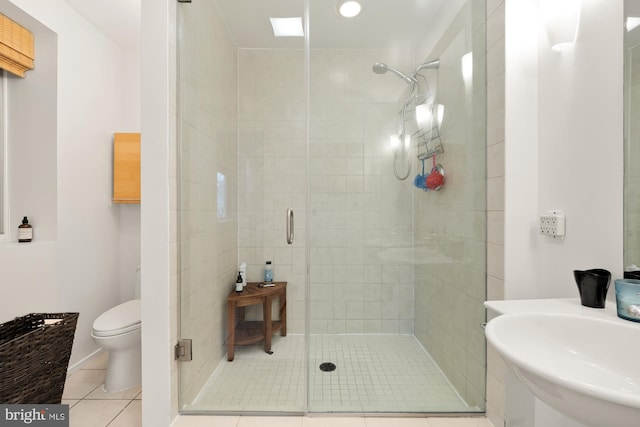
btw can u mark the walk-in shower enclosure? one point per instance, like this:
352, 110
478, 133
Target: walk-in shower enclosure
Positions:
385, 280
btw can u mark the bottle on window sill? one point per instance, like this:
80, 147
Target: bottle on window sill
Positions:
25, 231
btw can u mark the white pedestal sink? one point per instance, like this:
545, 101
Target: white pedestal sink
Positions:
585, 367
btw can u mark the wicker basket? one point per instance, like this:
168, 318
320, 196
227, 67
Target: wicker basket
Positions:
34, 356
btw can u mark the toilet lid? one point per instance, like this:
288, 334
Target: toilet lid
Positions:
121, 318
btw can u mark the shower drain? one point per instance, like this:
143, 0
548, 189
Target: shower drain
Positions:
327, 367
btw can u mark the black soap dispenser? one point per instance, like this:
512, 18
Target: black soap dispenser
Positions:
25, 231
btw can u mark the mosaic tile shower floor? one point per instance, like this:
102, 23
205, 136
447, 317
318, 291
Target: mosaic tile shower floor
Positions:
374, 373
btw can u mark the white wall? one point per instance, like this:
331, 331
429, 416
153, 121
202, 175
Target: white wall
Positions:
495, 32
521, 149
77, 269
129, 213
158, 118
438, 25
563, 149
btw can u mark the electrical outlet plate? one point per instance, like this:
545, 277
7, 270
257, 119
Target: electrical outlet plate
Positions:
552, 224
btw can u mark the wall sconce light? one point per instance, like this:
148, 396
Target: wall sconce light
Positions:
561, 19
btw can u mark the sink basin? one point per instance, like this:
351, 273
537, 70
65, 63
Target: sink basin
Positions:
584, 367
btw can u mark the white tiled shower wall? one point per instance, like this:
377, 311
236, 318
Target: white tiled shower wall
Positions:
208, 224
451, 224
496, 369
272, 168
361, 216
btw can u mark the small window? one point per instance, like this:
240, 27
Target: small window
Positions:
222, 196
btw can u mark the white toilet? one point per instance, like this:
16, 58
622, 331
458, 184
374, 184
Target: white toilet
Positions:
118, 331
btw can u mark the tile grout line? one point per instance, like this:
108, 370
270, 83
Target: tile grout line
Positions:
85, 397
119, 413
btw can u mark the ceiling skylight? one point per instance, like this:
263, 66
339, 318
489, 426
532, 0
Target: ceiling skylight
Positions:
287, 27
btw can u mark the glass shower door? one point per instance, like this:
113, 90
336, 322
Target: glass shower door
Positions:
397, 259
241, 166
386, 274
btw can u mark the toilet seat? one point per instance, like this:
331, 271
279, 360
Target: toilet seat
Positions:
118, 320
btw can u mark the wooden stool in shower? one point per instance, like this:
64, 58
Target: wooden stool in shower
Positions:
249, 332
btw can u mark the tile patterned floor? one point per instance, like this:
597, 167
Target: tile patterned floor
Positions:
375, 373
379, 373
90, 406
256, 381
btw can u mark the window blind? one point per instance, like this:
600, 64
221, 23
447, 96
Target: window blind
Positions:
16, 47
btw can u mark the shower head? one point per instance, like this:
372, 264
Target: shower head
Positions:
431, 64
435, 64
381, 68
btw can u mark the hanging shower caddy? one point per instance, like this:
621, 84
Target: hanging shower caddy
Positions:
425, 130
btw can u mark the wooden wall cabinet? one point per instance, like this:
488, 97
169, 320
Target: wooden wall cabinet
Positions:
126, 168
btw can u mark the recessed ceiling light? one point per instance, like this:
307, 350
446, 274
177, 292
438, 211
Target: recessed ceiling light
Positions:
287, 27
349, 8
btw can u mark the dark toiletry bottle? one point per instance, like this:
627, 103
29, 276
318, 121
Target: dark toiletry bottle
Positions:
239, 284
25, 231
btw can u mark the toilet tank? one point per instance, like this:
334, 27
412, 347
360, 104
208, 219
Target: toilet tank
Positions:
137, 293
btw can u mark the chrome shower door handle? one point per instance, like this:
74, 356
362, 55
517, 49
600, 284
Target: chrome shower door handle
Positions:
290, 226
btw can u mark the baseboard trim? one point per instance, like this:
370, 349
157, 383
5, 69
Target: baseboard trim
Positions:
78, 365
